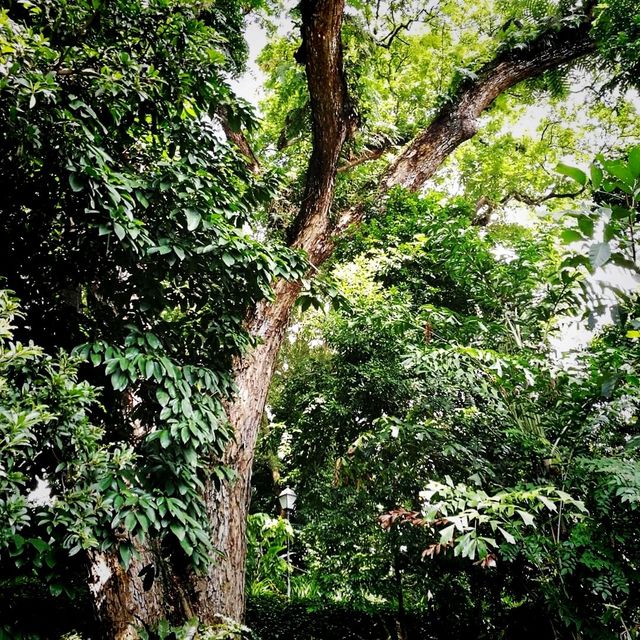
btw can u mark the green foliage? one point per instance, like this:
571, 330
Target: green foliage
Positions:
273, 618
607, 225
225, 629
267, 540
54, 502
138, 239
617, 30
437, 379
130, 226
474, 519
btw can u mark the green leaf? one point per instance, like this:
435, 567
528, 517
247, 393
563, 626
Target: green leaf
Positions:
40, 545
76, 183
191, 456
162, 397
585, 223
178, 530
193, 219
507, 536
188, 109
622, 172
125, 555
143, 521
119, 381
599, 254
119, 229
153, 341
186, 546
446, 535
572, 172
596, 176
165, 439
142, 199
130, 522
55, 589
634, 162
547, 503
527, 518
571, 235
112, 365
164, 629
620, 213
186, 407
609, 232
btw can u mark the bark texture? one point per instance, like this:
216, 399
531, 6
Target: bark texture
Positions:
221, 592
138, 598
458, 121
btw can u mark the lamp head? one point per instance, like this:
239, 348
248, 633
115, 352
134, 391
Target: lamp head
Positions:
287, 499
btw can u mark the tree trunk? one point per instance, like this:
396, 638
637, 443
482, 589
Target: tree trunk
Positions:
120, 595
140, 597
221, 591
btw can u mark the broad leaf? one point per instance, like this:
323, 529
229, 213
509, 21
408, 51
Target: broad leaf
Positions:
572, 172
599, 254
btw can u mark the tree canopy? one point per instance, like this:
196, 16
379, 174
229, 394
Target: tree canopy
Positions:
427, 196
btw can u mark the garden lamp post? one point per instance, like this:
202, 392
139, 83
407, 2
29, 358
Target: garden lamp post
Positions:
287, 500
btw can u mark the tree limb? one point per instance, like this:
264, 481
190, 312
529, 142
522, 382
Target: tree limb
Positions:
333, 122
238, 138
532, 202
485, 206
458, 121
366, 156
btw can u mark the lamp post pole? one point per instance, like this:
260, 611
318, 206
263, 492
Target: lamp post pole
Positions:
287, 500
288, 564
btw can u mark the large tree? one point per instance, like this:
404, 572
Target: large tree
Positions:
145, 245
315, 227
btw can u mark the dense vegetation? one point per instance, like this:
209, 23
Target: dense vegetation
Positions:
446, 461
462, 468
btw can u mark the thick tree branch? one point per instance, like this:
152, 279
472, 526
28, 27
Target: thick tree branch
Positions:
333, 121
458, 121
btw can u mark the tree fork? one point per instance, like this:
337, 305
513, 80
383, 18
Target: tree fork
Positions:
221, 592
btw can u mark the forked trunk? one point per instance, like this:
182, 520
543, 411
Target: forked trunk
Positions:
121, 597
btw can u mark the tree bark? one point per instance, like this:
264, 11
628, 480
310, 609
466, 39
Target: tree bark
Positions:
137, 598
221, 592
458, 121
